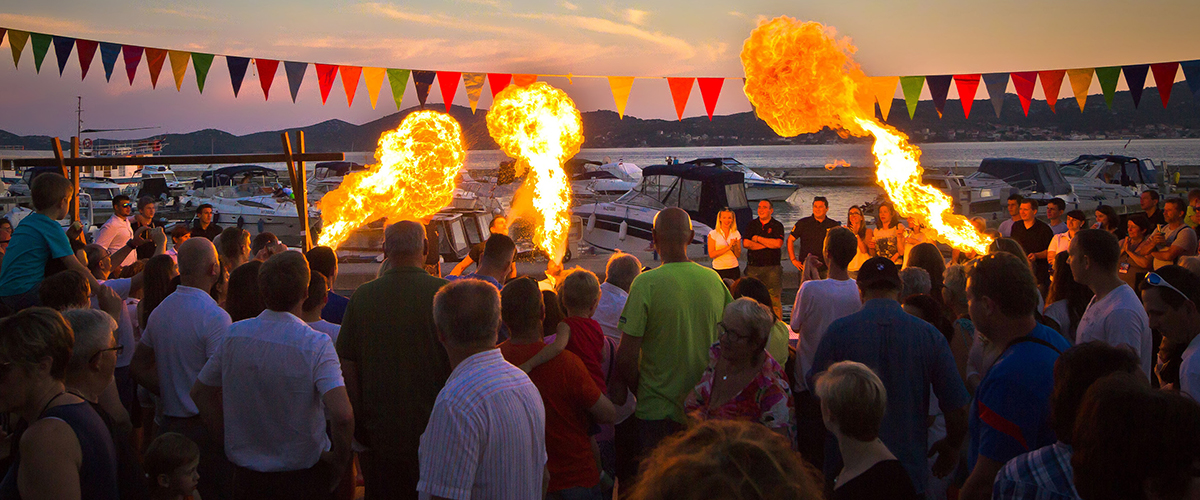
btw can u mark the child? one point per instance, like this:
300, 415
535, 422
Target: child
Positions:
170, 464
318, 296
579, 294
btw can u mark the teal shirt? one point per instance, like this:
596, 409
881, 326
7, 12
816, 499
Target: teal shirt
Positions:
35, 241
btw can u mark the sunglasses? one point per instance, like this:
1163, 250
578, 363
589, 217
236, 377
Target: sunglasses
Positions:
118, 348
1153, 279
125, 205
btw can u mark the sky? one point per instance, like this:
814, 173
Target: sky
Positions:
650, 39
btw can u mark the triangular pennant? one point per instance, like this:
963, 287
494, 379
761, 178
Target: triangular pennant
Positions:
967, 86
448, 83
325, 75
108, 56
350, 77
41, 44
1164, 78
620, 85
133, 56
939, 87
266, 74
421, 81
62, 50
1135, 78
1191, 71
1081, 81
237, 71
912, 86
1108, 82
295, 74
997, 87
1024, 82
524, 80
710, 90
883, 88
473, 83
1052, 85
398, 80
681, 89
2, 32
179, 63
374, 79
87, 51
497, 82
16, 41
201, 63
154, 60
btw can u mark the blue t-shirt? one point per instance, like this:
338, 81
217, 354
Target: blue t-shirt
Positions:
476, 276
35, 241
1011, 412
335, 308
909, 355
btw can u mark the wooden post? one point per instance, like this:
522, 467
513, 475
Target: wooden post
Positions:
302, 194
58, 155
75, 181
287, 157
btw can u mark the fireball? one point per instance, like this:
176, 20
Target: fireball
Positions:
418, 164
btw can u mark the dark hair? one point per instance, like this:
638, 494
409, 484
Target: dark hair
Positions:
1064, 287
283, 280
1008, 246
1153, 194
822, 200
753, 288
498, 246
145, 200
5, 222
34, 333
1033, 203
1182, 279
1076, 214
167, 453
1016, 196
1007, 280
554, 312
262, 240
318, 291
1178, 202
1114, 220
933, 313
1143, 222
1193, 195
521, 304
1062, 205
49, 189
243, 298
156, 284
1076, 370
323, 260
927, 256
180, 230
841, 245
1100, 246
203, 206
769, 202
891, 208
65, 290
119, 199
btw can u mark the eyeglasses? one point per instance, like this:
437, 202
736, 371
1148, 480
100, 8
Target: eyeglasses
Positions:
731, 334
125, 205
118, 348
1153, 279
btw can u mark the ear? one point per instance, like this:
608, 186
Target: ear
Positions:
163, 481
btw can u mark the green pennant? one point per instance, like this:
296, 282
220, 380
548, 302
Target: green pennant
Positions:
1108, 82
17, 40
912, 86
41, 43
201, 62
398, 79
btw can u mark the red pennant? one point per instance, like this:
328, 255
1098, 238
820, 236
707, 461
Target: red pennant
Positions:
523, 80
87, 50
497, 81
154, 60
350, 76
1024, 82
710, 90
967, 86
681, 89
133, 56
266, 74
448, 82
1052, 85
325, 75
1164, 78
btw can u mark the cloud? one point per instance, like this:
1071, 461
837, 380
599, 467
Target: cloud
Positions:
568, 5
677, 45
635, 16
735, 13
187, 12
54, 25
489, 3
440, 20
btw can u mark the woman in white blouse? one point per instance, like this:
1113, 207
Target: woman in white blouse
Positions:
725, 246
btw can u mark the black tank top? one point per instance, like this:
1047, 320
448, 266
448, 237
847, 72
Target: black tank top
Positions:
98, 472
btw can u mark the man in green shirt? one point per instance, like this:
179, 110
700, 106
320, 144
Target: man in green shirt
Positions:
393, 364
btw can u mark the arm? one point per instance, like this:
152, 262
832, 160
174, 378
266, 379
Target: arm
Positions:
753, 244
208, 401
341, 419
947, 448
628, 354
979, 483
772, 243
562, 335
353, 388
603, 411
144, 368
461, 266
71, 262
715, 250
1140, 255
110, 400
50, 461
791, 251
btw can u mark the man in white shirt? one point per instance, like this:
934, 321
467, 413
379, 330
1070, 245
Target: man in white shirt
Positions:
270, 388
1115, 315
116, 232
1170, 295
622, 268
486, 435
1054, 211
1014, 212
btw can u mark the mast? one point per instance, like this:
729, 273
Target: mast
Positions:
78, 115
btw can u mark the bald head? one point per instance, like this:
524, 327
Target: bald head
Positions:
197, 256
673, 230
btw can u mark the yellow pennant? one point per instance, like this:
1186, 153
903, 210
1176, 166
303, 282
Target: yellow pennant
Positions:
473, 82
1081, 81
179, 64
374, 80
620, 86
883, 88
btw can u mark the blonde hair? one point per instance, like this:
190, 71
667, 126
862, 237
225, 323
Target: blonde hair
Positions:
733, 217
855, 397
578, 289
35, 333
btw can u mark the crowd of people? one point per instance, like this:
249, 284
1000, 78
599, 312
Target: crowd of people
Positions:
202, 363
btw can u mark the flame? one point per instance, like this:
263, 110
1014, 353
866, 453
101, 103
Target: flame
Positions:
418, 164
801, 78
836, 164
540, 127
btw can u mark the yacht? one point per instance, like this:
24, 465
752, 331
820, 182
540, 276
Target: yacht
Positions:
593, 180
758, 187
328, 175
96, 193
253, 196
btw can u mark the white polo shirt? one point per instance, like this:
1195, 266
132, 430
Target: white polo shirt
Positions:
1118, 319
113, 235
1189, 370
183, 331
125, 333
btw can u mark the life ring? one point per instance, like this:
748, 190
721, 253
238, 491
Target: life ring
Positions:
87, 143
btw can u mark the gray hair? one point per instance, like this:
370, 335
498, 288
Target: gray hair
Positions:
622, 269
467, 313
856, 398
93, 332
405, 238
758, 317
955, 280
916, 281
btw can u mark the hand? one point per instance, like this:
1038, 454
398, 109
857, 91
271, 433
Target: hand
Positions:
270, 250
74, 231
1157, 238
139, 237
1032, 257
336, 468
110, 302
158, 236
798, 265
946, 460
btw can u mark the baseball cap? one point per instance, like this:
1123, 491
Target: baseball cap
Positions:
879, 272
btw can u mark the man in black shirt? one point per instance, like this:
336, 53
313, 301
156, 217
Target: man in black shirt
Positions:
764, 238
204, 226
144, 218
810, 232
1149, 204
1034, 236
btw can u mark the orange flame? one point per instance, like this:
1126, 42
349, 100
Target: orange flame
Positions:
415, 177
801, 78
836, 164
540, 127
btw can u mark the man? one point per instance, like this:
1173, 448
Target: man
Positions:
1014, 213
763, 238
179, 234
619, 273
393, 363
1011, 412
1175, 239
269, 389
1193, 199
499, 225
324, 260
144, 218
233, 245
486, 436
1149, 202
810, 231
204, 226
1034, 236
668, 324
264, 245
910, 356
1054, 211
1170, 295
1115, 315
117, 231
496, 263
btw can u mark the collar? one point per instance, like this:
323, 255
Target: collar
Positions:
488, 357
608, 288
280, 317
881, 304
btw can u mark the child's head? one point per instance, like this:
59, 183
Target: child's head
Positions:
49, 190
579, 291
170, 464
318, 292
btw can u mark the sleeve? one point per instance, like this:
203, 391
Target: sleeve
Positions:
347, 342
1005, 410
796, 230
633, 316
121, 286
1124, 327
1187, 241
147, 333
210, 375
216, 333
947, 383
57, 242
106, 235
779, 229
798, 312
449, 453
327, 371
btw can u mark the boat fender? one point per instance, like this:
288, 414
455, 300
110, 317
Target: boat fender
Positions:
591, 223
624, 229
261, 226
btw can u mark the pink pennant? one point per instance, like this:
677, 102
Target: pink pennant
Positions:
1024, 82
967, 86
1164, 78
266, 74
325, 76
350, 75
87, 50
1052, 85
710, 90
497, 81
448, 82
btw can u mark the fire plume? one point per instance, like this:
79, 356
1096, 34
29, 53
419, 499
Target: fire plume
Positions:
801, 78
539, 126
418, 164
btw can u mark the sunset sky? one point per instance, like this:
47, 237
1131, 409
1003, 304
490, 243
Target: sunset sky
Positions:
624, 38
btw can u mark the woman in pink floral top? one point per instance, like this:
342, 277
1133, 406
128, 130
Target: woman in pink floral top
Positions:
742, 382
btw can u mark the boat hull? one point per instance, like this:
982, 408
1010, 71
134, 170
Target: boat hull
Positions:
602, 228
772, 192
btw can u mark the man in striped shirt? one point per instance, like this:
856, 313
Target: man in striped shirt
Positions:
486, 436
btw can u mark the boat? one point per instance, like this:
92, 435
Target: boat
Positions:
328, 175
251, 196
758, 187
96, 193
174, 185
597, 181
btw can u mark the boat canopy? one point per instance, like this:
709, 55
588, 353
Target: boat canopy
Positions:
702, 191
227, 176
729, 164
335, 169
1040, 176
1113, 169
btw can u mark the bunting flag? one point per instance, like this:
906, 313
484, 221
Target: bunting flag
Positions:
710, 90
108, 56
967, 86
179, 64
374, 79
133, 56
421, 81
448, 83
87, 51
620, 85
350, 77
201, 62
681, 89
997, 87
154, 60
865, 98
912, 86
295, 74
1191, 71
16, 42
1135, 78
62, 51
325, 75
1081, 81
473, 83
237, 71
524, 80
41, 43
1108, 82
266, 75
939, 87
2, 32
884, 90
1052, 85
1024, 82
497, 82
398, 80
1164, 79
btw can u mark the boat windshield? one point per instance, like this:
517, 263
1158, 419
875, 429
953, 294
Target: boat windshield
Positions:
640, 199
737, 166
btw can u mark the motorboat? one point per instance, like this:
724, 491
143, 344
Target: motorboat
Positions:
251, 196
597, 181
166, 174
758, 187
328, 175
96, 193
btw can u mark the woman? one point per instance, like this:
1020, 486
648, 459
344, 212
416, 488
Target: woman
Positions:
244, 300
725, 246
853, 400
857, 225
1068, 298
156, 284
1108, 220
927, 256
1062, 241
65, 450
777, 345
1135, 260
743, 382
887, 239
